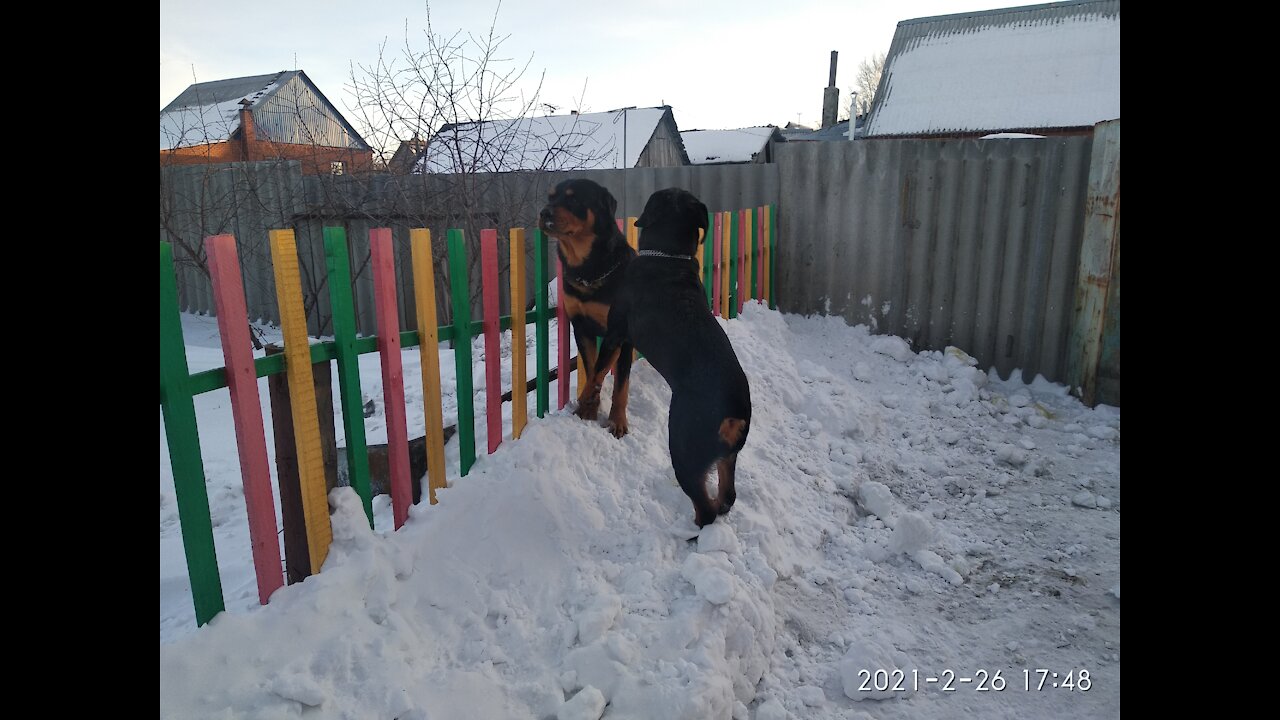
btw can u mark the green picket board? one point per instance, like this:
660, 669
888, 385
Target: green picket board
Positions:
460, 297
347, 356
184, 451
708, 257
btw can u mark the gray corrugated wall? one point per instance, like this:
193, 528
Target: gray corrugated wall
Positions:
242, 199
964, 242
970, 243
249, 199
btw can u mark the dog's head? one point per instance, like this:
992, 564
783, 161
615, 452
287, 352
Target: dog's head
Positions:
671, 220
578, 211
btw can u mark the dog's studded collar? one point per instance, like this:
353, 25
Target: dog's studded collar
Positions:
594, 284
659, 253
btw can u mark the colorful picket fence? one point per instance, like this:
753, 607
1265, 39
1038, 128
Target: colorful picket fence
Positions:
737, 264
737, 259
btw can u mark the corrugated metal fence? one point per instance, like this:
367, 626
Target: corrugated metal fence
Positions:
972, 243
248, 199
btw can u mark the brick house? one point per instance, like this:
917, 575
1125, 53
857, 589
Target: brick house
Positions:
263, 117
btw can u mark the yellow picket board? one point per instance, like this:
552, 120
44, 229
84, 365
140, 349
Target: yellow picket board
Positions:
726, 220
519, 376
424, 290
302, 396
701, 265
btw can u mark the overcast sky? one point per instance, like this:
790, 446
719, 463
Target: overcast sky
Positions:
718, 63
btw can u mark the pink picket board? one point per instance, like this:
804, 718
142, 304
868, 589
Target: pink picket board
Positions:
246, 411
492, 337
715, 266
382, 254
562, 340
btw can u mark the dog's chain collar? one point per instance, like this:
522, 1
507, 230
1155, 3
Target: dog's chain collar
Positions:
659, 253
595, 284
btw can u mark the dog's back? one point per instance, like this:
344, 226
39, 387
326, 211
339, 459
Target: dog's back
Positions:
662, 310
672, 325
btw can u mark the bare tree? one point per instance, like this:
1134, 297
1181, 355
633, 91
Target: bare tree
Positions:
863, 92
476, 106
478, 109
213, 180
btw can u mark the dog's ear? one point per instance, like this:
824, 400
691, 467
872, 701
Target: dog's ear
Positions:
645, 218
606, 206
703, 214
608, 202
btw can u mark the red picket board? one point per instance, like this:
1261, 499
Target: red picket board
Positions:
562, 337
492, 337
382, 254
246, 410
715, 268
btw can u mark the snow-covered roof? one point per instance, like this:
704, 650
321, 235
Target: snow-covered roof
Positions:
725, 146
209, 112
837, 132
1034, 67
586, 141
287, 108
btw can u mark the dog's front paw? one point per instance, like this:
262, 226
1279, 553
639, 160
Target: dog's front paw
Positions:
618, 428
703, 519
588, 408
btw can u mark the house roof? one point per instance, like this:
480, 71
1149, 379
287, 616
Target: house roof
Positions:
1033, 67
406, 154
707, 147
586, 141
837, 132
209, 112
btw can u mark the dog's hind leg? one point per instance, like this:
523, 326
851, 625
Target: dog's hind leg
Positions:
726, 494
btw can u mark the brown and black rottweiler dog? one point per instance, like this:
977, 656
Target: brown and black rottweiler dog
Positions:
662, 310
594, 255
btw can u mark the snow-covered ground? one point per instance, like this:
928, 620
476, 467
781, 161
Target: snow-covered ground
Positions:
896, 511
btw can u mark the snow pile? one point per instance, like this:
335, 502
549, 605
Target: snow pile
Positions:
556, 580
871, 664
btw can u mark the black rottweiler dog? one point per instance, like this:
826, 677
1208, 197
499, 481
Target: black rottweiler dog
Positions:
662, 310
594, 255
